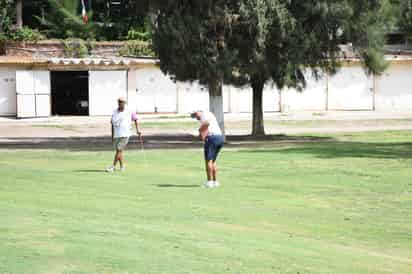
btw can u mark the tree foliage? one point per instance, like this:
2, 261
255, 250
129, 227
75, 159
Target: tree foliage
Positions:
281, 40
191, 39
254, 41
6, 15
405, 15
61, 19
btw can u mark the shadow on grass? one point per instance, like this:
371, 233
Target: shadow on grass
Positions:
177, 186
347, 150
184, 141
90, 171
322, 147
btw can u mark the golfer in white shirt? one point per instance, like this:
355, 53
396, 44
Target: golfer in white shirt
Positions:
121, 124
211, 134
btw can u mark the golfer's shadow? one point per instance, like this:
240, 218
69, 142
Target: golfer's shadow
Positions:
176, 186
90, 171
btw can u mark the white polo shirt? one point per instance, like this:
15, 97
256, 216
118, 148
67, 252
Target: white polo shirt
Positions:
208, 117
122, 122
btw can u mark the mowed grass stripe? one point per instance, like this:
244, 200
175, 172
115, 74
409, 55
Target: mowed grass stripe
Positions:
308, 208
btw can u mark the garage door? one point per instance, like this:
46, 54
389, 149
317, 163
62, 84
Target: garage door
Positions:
33, 93
7, 92
105, 87
350, 89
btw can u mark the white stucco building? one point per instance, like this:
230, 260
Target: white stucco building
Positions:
43, 87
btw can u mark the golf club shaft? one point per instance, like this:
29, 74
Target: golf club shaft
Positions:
143, 150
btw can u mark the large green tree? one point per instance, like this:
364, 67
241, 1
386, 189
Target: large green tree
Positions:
6, 15
191, 40
61, 19
256, 41
405, 17
281, 41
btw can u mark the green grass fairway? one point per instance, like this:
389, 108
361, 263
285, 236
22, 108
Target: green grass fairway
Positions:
342, 206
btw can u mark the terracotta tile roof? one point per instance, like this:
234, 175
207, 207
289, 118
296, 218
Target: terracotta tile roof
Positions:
102, 61
118, 61
19, 60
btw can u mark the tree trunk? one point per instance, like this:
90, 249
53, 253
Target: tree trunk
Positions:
19, 13
258, 128
216, 102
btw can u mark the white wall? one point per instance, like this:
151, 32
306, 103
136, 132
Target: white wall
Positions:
312, 98
155, 91
394, 88
271, 98
8, 98
350, 89
192, 96
240, 99
105, 87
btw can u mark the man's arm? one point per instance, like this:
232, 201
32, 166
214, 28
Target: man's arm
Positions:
204, 130
112, 127
137, 124
138, 131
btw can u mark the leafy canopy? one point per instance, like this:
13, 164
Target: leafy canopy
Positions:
266, 39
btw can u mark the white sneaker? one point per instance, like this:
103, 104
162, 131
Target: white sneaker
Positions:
122, 169
110, 169
209, 184
216, 184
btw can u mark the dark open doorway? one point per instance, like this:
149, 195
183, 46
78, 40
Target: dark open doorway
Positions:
70, 92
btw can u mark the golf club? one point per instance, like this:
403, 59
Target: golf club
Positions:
142, 149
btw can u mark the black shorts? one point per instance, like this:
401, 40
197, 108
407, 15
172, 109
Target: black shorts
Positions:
213, 145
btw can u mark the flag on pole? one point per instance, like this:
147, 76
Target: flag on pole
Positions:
84, 13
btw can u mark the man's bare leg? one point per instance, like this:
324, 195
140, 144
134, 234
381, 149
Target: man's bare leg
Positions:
121, 158
209, 170
116, 158
214, 171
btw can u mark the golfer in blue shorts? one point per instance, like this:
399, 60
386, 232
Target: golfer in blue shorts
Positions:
211, 134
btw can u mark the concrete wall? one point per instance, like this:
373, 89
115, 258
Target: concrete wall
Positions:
314, 97
240, 99
192, 96
105, 87
394, 88
148, 90
350, 89
155, 92
8, 92
55, 48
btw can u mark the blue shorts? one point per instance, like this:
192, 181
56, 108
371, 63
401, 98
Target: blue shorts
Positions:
213, 145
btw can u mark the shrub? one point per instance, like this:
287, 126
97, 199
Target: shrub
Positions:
137, 49
134, 34
3, 39
75, 48
25, 34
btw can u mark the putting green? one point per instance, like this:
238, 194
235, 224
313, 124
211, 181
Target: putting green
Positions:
342, 206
